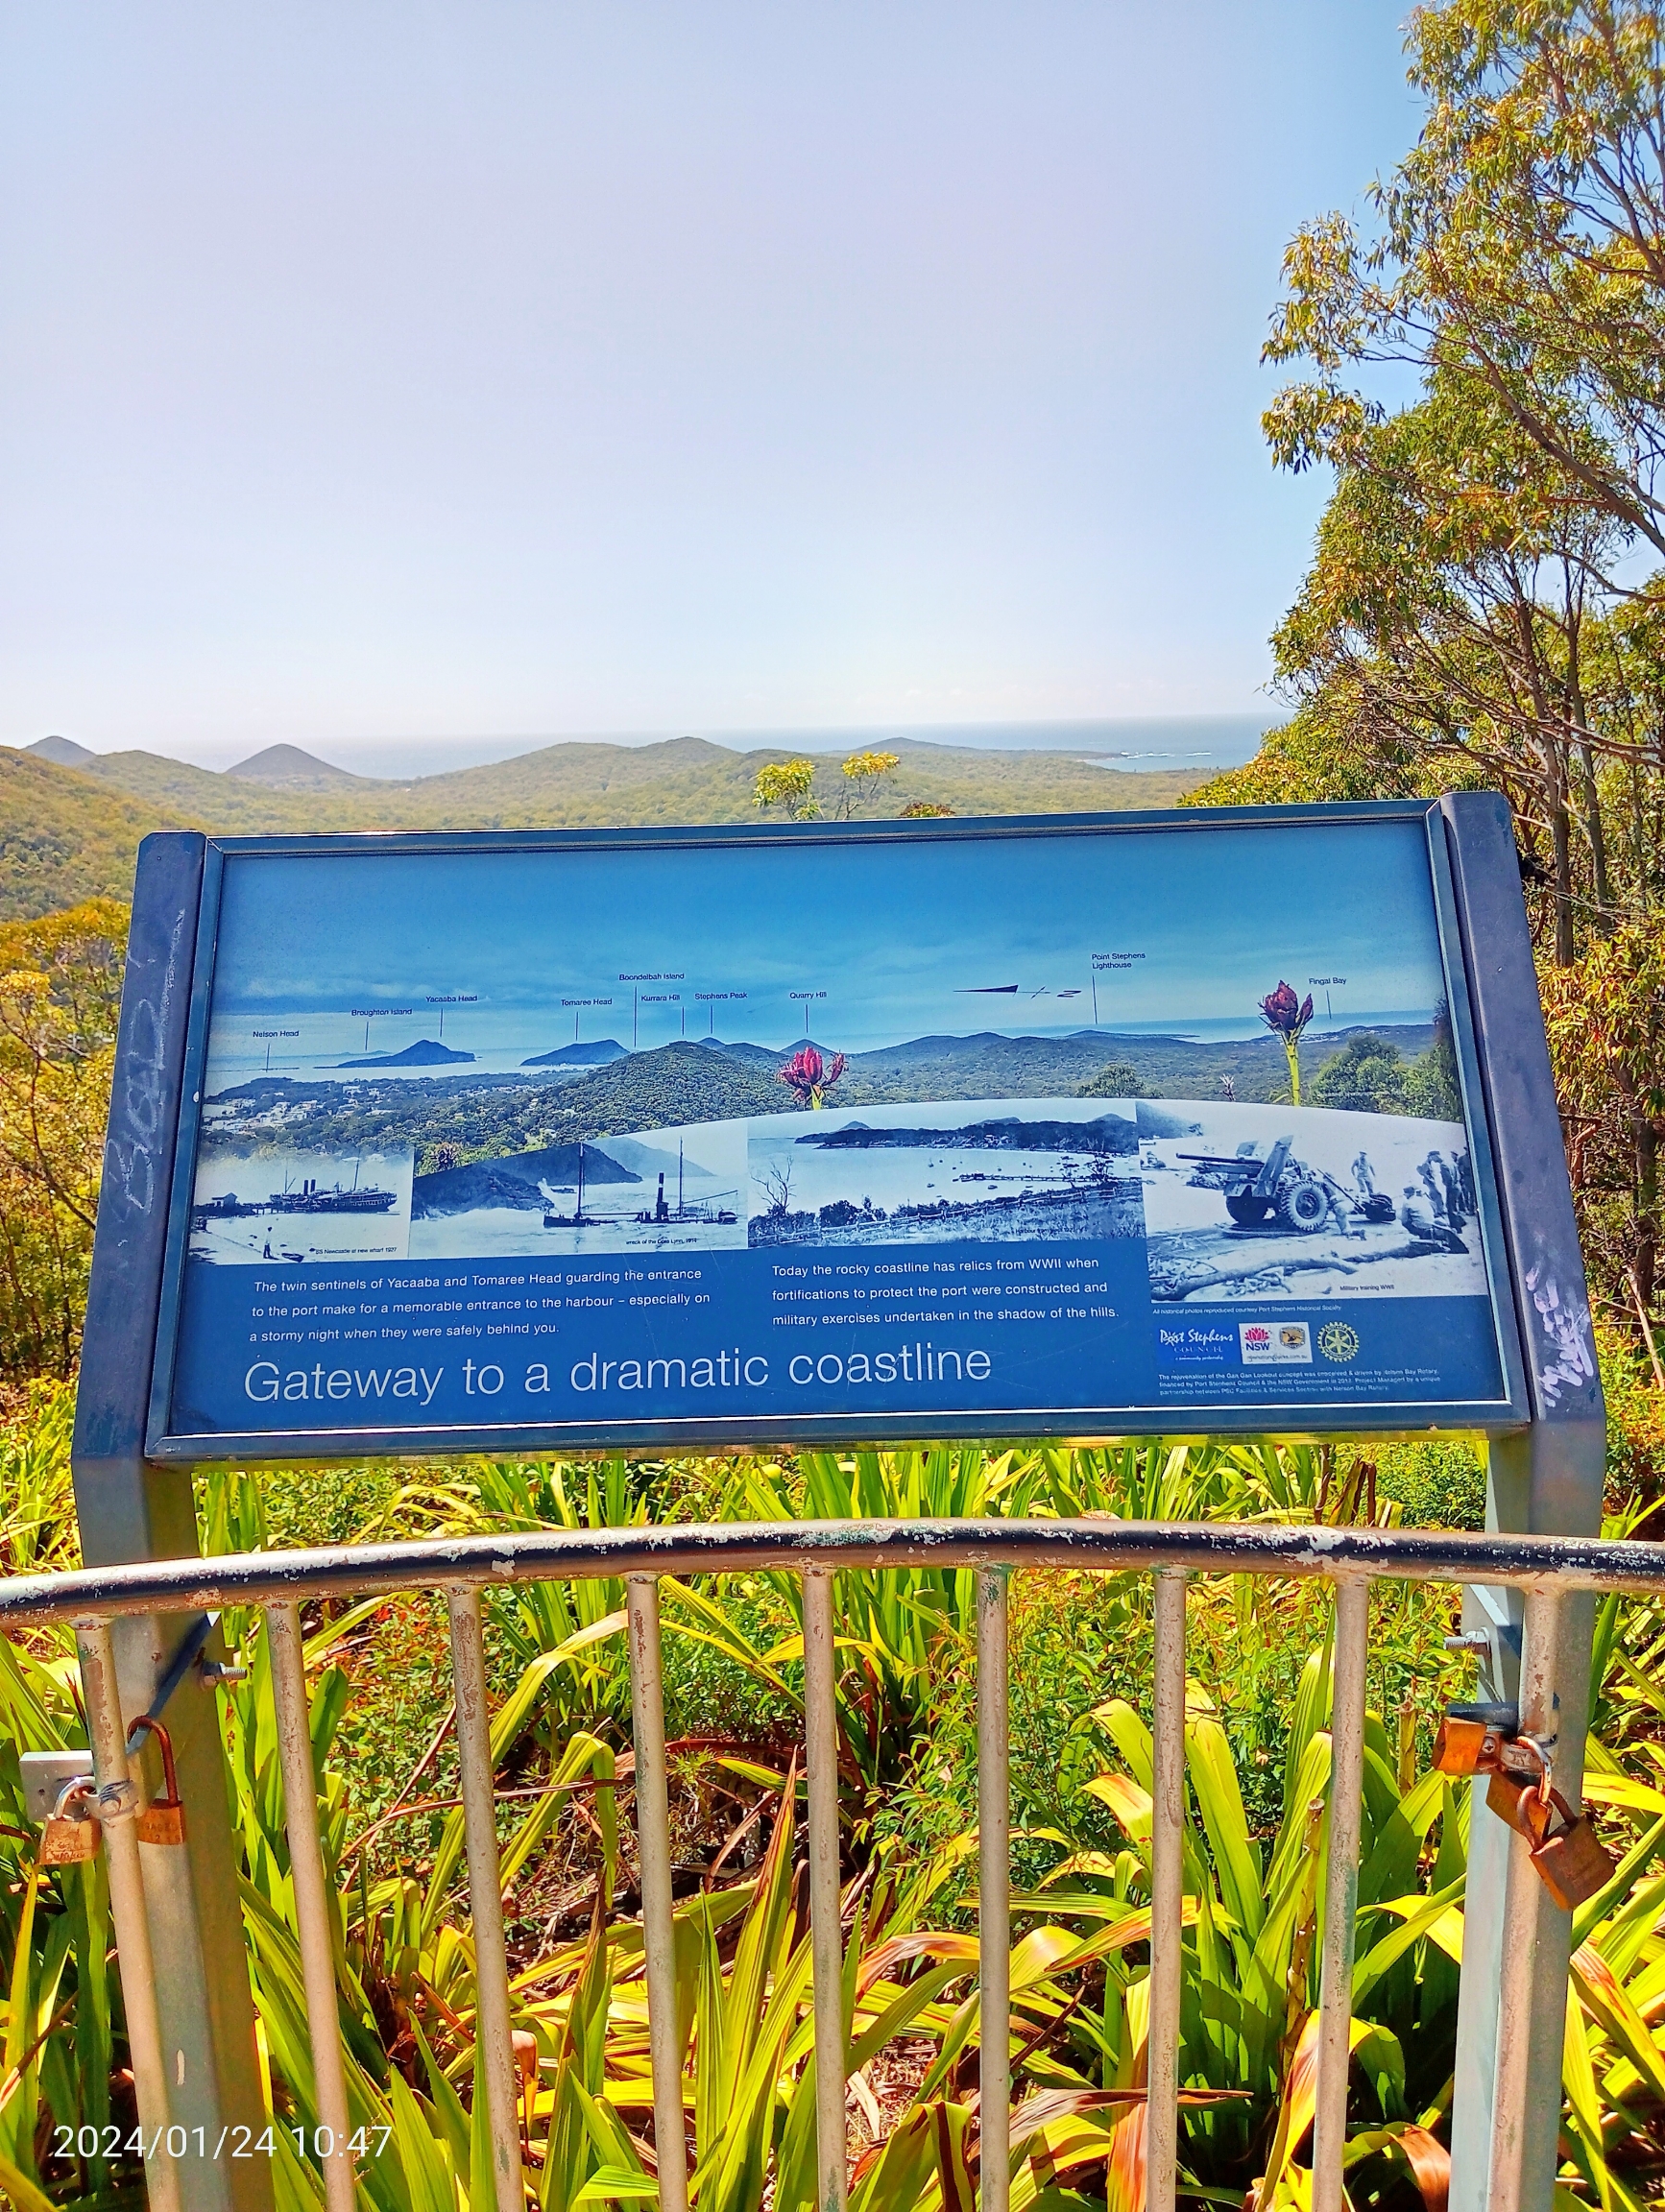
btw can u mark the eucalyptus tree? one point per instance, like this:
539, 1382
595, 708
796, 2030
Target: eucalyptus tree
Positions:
1520, 250
1449, 605
1487, 601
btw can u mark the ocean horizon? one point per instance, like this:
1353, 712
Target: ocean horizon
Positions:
1197, 743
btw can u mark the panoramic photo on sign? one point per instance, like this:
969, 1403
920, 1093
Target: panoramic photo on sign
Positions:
612, 1138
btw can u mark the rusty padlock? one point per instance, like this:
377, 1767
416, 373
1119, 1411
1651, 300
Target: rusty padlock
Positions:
1507, 1796
1470, 1738
71, 1833
1573, 1865
1519, 1790
163, 1819
1569, 1861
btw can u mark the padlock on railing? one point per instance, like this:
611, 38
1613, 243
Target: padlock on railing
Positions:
1471, 1737
71, 1833
1569, 1861
1574, 1866
1519, 1791
163, 1819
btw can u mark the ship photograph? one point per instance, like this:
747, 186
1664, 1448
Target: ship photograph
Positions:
277, 1208
661, 1190
576, 1052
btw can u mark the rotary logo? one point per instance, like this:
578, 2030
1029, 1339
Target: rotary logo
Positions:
1338, 1341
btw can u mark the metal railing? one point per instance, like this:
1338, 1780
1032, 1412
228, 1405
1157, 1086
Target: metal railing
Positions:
1545, 1569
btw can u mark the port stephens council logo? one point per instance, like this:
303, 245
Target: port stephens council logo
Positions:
1338, 1341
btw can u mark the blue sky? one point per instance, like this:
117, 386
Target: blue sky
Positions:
429, 371
874, 945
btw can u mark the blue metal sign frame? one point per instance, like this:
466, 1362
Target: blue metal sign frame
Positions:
1524, 1204
1546, 1431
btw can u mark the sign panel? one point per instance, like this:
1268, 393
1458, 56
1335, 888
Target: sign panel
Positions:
1064, 1126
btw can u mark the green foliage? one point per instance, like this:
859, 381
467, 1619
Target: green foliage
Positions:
1257, 1766
789, 784
60, 988
67, 834
1433, 1088
1316, 755
1511, 247
1602, 1016
1116, 1079
1477, 610
1635, 1404
1437, 1482
207, 800
38, 1534
866, 776
64, 838
1472, 602
1368, 1075
681, 779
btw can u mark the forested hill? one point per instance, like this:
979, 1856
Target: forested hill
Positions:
70, 832
690, 779
65, 837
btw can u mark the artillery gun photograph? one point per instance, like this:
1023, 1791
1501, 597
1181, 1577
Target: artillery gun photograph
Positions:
1281, 1188
1377, 1204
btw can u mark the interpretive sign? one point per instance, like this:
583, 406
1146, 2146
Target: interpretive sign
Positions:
1063, 1127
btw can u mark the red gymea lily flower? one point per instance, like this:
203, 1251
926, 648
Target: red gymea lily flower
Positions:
810, 1077
1286, 1014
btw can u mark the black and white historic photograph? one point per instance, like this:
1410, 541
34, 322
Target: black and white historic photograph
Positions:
1305, 1202
1004, 1169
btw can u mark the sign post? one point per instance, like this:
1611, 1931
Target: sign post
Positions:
130, 1508
1543, 1479
1189, 1124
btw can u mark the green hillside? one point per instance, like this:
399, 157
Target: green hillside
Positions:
485, 1116
461, 1120
682, 780
991, 1066
690, 779
64, 837
207, 800
988, 1066
66, 832
662, 1089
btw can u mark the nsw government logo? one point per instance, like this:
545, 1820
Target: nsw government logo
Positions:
1338, 1341
1275, 1343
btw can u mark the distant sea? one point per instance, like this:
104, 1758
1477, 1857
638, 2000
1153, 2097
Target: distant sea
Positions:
1200, 743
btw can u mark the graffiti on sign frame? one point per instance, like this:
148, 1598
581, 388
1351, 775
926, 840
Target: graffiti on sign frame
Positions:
1065, 1127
